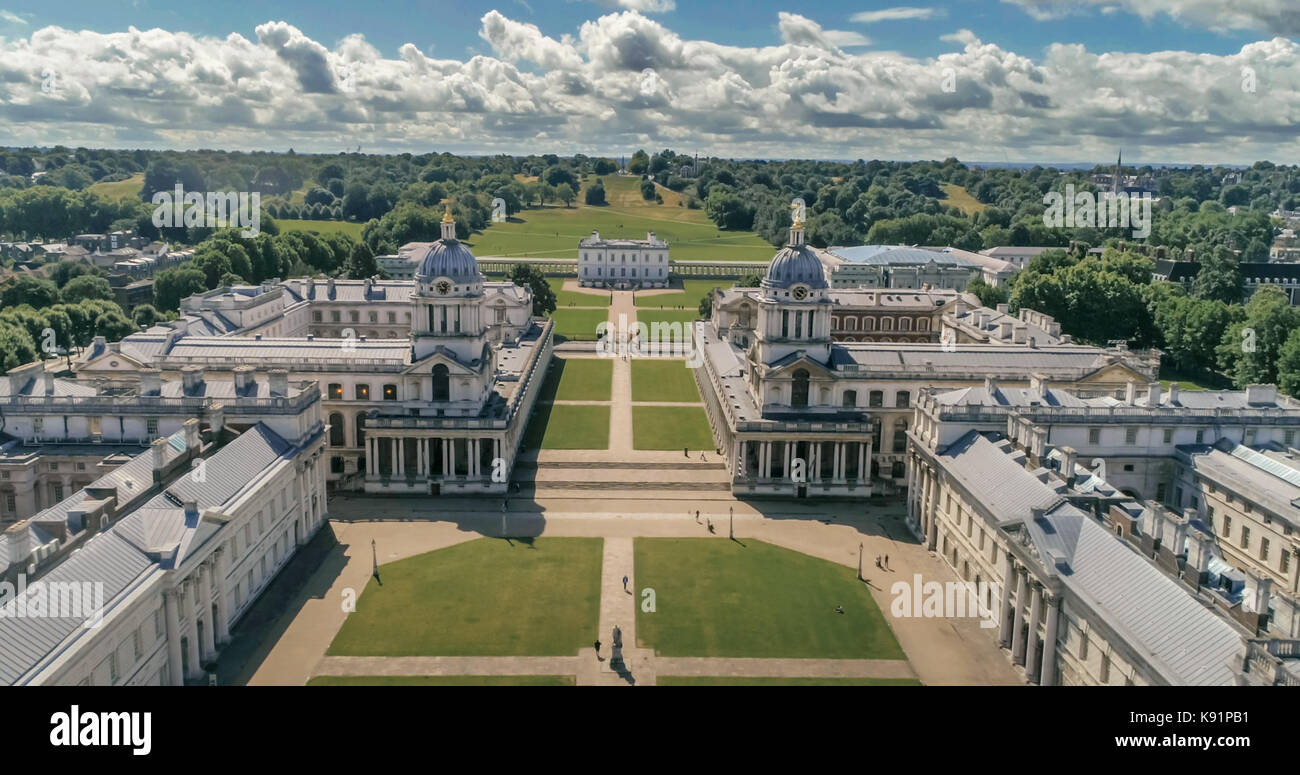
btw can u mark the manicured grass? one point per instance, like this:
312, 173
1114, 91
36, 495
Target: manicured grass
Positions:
568, 427
718, 598
554, 231
486, 597
320, 227
696, 680
961, 199
578, 379
120, 189
687, 296
654, 380
670, 427
667, 327
565, 298
443, 680
579, 324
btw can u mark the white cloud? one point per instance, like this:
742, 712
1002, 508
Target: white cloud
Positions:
11, 17
1276, 17
895, 14
808, 95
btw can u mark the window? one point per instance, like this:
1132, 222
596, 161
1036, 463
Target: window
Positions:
1227, 526
441, 383
1130, 435
1245, 537
390, 392
354, 316
58, 491
392, 317
1263, 550
1105, 668
362, 392
337, 435
1284, 565
373, 317
1289, 437
315, 316
158, 623
799, 389
1094, 435
1169, 435
336, 391
876, 398
334, 316
902, 399
151, 426
1200, 437
137, 647
54, 466
850, 398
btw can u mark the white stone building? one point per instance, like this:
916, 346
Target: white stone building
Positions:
622, 263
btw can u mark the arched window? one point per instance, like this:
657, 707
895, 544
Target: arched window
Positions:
923, 324
851, 324
799, 392
441, 383
868, 324
904, 324
338, 433
876, 398
850, 398
360, 431
886, 324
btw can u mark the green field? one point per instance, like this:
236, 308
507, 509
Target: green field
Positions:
121, 189
486, 597
554, 231
578, 379
579, 324
565, 298
321, 227
442, 680
654, 380
670, 427
688, 295
676, 332
568, 427
717, 598
961, 199
698, 680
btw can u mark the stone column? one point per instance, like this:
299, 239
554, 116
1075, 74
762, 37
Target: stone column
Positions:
1004, 624
1017, 628
420, 469
474, 458
175, 661
836, 461
208, 646
785, 475
1035, 617
399, 457
1048, 677
932, 535
862, 461
192, 639
446, 458
218, 567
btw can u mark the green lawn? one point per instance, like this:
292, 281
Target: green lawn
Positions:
717, 598
578, 379
486, 597
688, 295
320, 227
120, 189
695, 680
670, 427
654, 380
568, 427
961, 199
554, 231
443, 680
579, 324
565, 298
671, 327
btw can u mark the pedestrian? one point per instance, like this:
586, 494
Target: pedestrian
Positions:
697, 516
703, 459
598, 649
886, 562
625, 583
710, 524
685, 452
878, 565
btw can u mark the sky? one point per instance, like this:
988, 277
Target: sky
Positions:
1167, 81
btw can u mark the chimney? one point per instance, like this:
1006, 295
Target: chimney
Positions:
329, 287
17, 546
1004, 330
990, 386
1067, 339
159, 454
49, 383
1039, 383
959, 309
1021, 335
150, 382
1004, 308
279, 379
1261, 394
243, 379
1069, 459
192, 441
1173, 393
1153, 394
191, 512
1130, 393
191, 379
1263, 591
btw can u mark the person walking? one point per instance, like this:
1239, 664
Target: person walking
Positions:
685, 452
886, 562
597, 649
625, 583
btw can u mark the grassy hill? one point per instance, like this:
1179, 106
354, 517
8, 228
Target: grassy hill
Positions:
961, 199
121, 189
554, 231
322, 227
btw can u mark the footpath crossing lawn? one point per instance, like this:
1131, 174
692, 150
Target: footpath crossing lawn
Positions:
580, 324
486, 597
656, 380
671, 427
565, 426
443, 680
731, 680
578, 379
717, 598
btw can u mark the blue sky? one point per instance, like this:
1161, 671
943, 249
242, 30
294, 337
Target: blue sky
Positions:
993, 80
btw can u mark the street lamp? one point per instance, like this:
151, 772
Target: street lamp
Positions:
503, 517
731, 523
859, 561
374, 559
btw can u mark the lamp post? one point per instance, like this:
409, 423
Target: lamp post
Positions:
859, 562
503, 517
374, 559
731, 523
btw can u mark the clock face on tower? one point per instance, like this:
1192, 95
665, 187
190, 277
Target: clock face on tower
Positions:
444, 287
799, 292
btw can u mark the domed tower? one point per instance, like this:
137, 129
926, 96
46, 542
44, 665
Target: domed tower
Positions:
447, 303
795, 311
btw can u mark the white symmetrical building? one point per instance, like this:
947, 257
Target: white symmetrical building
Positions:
622, 263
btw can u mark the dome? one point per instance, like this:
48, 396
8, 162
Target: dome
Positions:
795, 265
451, 259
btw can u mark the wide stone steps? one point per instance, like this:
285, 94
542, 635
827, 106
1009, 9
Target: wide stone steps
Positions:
626, 485
619, 465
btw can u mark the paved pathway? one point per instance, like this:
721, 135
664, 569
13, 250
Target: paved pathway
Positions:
410, 666
784, 668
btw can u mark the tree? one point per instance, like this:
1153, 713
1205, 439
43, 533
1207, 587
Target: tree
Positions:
1219, 277
564, 192
989, 295
361, 263
146, 315
639, 164
172, 285
596, 194
1288, 365
16, 346
36, 291
1250, 349
87, 286
525, 276
113, 325
648, 190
